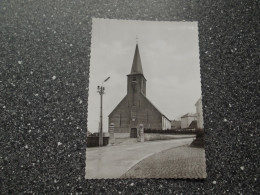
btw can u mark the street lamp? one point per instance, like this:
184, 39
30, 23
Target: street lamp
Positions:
101, 91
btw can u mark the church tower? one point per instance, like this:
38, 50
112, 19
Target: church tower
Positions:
136, 82
136, 86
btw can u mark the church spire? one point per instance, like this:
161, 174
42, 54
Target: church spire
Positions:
137, 65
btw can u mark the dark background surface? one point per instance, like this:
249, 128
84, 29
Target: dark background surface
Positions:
44, 68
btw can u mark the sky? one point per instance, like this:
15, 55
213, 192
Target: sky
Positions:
170, 60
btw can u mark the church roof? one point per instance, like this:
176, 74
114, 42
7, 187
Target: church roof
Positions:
122, 101
137, 65
155, 107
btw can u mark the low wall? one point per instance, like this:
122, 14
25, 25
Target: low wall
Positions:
122, 135
156, 136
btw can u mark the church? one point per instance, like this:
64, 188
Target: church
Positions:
135, 108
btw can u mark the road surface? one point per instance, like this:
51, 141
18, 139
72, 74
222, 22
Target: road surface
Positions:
181, 162
114, 161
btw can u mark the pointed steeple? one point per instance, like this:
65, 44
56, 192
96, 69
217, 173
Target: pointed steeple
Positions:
137, 65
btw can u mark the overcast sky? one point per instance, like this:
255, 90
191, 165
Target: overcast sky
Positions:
170, 59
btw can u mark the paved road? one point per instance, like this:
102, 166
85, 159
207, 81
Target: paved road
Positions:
180, 162
114, 161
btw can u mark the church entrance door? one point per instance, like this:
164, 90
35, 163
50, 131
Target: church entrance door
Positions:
133, 133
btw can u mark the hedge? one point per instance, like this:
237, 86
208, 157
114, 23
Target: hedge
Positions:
171, 131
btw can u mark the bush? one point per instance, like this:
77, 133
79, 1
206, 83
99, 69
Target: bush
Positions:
171, 131
93, 141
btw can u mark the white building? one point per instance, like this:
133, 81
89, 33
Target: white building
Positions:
166, 123
199, 113
187, 119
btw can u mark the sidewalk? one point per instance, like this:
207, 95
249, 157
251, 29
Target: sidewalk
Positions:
114, 161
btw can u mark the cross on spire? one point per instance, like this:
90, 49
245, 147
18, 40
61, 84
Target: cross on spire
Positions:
136, 39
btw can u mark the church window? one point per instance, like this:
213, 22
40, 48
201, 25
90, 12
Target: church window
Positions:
134, 79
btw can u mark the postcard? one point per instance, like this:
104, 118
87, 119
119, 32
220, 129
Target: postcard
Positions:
145, 113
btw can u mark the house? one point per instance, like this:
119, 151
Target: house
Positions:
187, 119
175, 124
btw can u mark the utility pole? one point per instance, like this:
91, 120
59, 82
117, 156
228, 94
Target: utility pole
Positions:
101, 91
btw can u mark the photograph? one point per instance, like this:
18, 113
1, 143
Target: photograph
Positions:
145, 112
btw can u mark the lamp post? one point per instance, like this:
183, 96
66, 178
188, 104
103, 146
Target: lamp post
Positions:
101, 91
